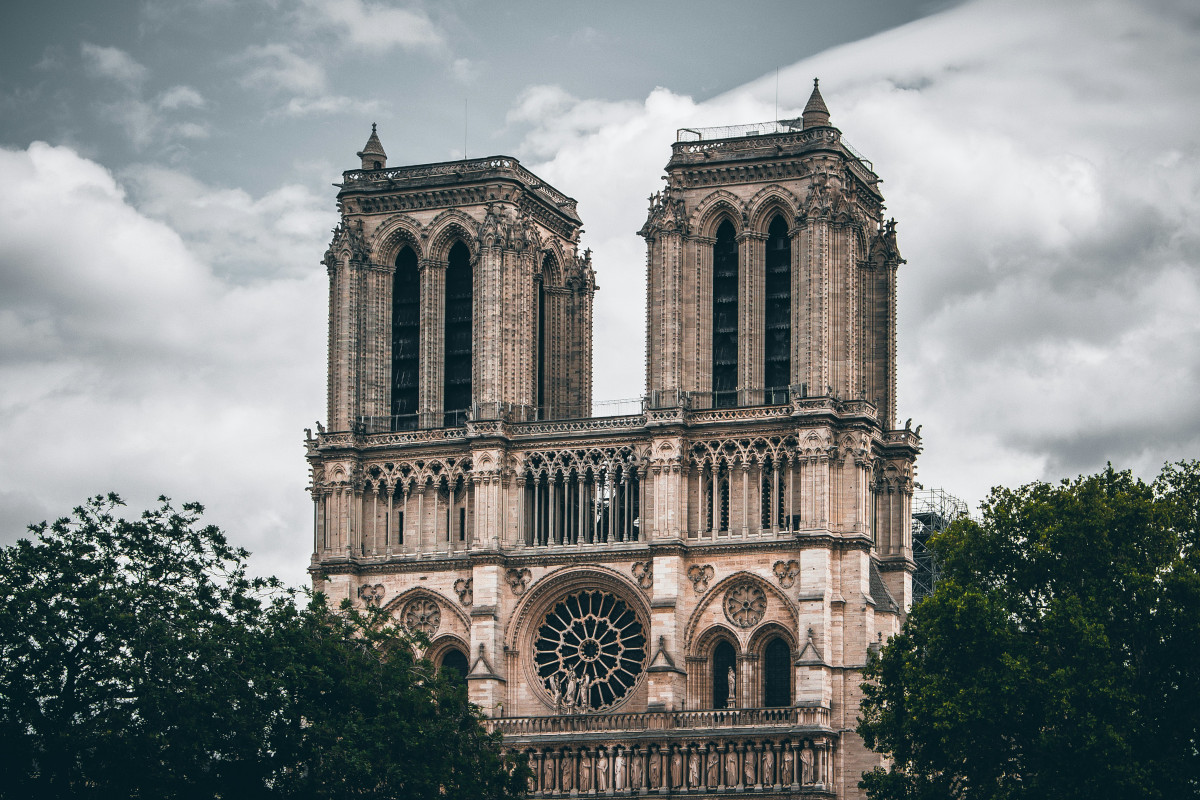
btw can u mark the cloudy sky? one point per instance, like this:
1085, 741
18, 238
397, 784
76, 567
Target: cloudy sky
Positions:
165, 199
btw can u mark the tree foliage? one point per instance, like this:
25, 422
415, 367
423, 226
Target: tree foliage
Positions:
1058, 655
138, 659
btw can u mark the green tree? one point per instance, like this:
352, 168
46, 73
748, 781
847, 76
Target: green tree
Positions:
1058, 656
137, 659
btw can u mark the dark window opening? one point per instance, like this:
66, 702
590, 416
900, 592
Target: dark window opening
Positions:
542, 360
723, 660
725, 317
456, 388
454, 665
777, 339
462, 524
777, 674
406, 335
400, 527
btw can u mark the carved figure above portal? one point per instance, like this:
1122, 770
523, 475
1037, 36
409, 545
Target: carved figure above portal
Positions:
643, 572
786, 572
745, 604
422, 614
700, 576
518, 580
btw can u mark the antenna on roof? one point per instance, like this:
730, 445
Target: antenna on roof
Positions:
777, 94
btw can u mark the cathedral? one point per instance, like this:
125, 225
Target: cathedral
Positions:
676, 601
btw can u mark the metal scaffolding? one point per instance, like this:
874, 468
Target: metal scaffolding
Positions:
932, 512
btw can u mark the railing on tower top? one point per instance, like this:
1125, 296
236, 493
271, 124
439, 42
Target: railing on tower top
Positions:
798, 716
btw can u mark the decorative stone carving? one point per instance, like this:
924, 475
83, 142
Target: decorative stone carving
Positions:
462, 587
745, 604
518, 580
590, 650
371, 595
714, 769
602, 772
786, 572
422, 614
643, 572
700, 576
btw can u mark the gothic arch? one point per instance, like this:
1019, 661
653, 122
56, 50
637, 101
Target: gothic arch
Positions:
447, 641
397, 603
715, 208
393, 234
712, 635
717, 594
768, 630
769, 201
551, 265
447, 228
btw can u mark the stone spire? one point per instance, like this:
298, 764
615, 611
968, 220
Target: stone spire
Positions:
816, 113
372, 154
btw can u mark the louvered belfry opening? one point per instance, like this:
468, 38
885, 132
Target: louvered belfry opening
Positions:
456, 389
777, 339
406, 340
725, 316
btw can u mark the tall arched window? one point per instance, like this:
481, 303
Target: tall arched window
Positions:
543, 345
777, 674
725, 316
406, 340
456, 388
724, 659
777, 339
454, 664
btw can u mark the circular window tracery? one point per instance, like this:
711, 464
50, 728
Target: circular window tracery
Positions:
745, 604
589, 650
422, 614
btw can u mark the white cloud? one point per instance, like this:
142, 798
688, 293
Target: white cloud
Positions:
279, 67
1045, 169
130, 363
180, 97
327, 104
374, 26
464, 70
113, 64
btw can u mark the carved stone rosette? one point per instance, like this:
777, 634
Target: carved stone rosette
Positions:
700, 576
643, 573
786, 572
422, 614
371, 595
745, 604
518, 580
462, 587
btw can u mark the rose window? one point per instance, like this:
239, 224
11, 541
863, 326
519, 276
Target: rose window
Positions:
422, 615
590, 650
745, 604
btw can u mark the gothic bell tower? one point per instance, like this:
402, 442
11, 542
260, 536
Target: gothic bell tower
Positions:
456, 292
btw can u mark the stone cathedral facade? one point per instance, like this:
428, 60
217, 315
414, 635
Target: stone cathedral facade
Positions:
675, 601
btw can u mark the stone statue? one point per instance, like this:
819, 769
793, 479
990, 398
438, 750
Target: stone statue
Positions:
548, 772
806, 766
694, 770
731, 772
732, 680
602, 772
568, 777
676, 769
635, 771
655, 771
748, 768
619, 771
555, 693
788, 762
585, 772
768, 766
714, 769
571, 691
584, 701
